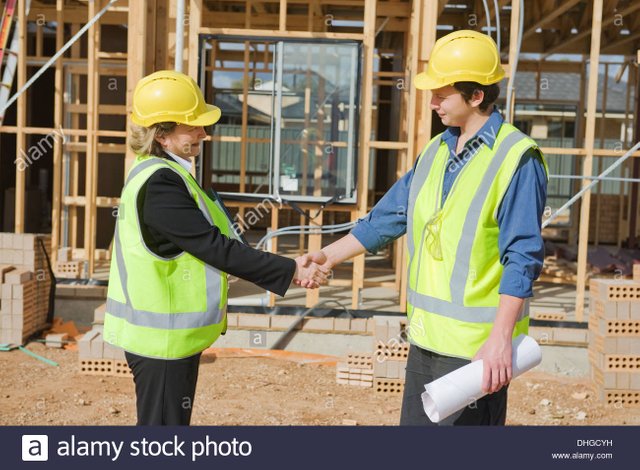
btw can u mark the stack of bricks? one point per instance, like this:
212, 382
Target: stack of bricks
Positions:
71, 262
25, 286
357, 370
258, 321
614, 339
66, 267
98, 357
390, 355
604, 218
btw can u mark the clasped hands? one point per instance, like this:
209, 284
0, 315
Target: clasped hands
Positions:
312, 270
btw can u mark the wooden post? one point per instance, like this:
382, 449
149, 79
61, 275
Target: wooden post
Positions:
427, 39
603, 109
411, 70
195, 20
91, 160
57, 144
315, 244
577, 162
245, 124
136, 33
365, 137
583, 238
283, 15
21, 138
275, 211
74, 166
513, 50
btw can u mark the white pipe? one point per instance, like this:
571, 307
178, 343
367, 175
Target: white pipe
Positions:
55, 57
613, 166
179, 34
611, 178
497, 8
487, 14
305, 229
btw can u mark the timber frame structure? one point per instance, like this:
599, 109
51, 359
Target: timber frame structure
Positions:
134, 38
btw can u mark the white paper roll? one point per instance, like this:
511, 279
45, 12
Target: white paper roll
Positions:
463, 386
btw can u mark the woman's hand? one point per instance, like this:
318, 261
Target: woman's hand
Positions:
311, 271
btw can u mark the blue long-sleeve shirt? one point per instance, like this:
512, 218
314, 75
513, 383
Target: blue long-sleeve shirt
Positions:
519, 241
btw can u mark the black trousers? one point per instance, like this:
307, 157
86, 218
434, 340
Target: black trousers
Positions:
164, 388
425, 366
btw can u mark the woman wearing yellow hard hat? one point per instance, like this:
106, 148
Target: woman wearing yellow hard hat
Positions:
475, 199
173, 247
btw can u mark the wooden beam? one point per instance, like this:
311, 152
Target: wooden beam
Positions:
56, 191
366, 109
411, 70
564, 42
136, 33
21, 139
76, 14
195, 19
555, 13
583, 239
279, 34
91, 160
283, 15
623, 40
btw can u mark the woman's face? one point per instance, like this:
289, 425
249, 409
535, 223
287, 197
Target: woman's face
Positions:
183, 140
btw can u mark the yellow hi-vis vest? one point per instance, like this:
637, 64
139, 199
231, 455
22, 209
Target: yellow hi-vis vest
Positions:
158, 307
454, 261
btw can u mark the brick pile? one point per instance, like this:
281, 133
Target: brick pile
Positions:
614, 340
383, 369
25, 285
98, 357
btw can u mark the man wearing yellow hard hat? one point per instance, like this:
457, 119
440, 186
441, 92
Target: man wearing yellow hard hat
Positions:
173, 248
471, 208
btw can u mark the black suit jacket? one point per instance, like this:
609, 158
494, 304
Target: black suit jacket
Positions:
172, 223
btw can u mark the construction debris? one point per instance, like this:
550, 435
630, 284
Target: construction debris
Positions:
561, 266
56, 340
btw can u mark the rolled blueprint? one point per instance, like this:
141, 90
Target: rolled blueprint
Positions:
463, 386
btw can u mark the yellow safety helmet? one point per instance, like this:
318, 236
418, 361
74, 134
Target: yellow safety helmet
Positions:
169, 96
462, 56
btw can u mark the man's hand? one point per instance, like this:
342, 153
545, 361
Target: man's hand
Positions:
496, 356
310, 271
317, 258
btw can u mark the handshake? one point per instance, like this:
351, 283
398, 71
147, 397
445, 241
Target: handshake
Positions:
312, 270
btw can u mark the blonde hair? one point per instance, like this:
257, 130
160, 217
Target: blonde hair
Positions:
142, 140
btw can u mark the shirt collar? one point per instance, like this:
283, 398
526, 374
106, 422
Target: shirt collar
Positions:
487, 133
186, 164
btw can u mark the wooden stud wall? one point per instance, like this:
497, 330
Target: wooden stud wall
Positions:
151, 23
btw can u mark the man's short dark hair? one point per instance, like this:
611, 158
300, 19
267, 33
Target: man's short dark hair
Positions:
467, 89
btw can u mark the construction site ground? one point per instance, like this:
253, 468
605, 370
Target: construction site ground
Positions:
242, 389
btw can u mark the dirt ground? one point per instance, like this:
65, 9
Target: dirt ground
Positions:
263, 391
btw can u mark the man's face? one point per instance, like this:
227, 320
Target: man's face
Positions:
183, 140
450, 106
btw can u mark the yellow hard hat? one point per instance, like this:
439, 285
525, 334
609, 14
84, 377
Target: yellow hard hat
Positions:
169, 96
462, 56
